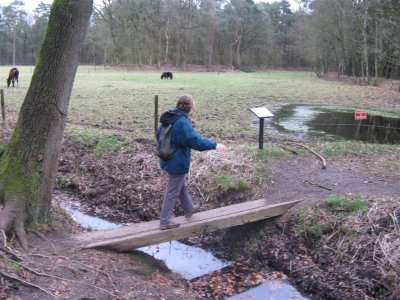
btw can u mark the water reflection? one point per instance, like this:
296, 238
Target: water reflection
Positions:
271, 290
189, 261
85, 220
335, 123
298, 121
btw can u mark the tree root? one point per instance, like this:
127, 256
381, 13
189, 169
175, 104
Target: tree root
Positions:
33, 271
26, 283
39, 234
13, 216
10, 253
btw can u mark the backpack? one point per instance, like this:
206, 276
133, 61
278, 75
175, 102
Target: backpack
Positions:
164, 148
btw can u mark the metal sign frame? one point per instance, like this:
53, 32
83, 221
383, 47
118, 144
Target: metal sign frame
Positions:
261, 113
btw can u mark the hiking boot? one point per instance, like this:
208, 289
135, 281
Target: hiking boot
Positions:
170, 225
194, 210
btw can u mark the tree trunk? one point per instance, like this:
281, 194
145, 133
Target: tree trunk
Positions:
159, 50
29, 165
14, 43
237, 52
166, 42
365, 43
210, 43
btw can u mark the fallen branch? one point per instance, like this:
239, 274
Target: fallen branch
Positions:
318, 185
312, 151
289, 150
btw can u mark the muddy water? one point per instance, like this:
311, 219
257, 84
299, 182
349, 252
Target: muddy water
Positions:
335, 123
189, 261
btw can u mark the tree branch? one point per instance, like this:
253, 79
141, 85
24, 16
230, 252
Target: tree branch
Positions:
312, 151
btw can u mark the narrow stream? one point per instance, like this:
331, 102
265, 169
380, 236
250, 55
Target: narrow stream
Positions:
189, 261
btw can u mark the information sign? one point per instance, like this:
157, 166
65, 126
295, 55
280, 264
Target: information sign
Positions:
360, 114
261, 113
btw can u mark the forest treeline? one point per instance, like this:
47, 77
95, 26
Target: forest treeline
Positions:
351, 37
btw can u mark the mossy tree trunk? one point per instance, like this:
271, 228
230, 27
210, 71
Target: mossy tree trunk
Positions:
29, 164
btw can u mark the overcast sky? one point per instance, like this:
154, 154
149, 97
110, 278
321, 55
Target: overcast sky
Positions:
30, 5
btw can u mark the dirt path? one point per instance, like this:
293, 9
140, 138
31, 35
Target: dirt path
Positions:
302, 178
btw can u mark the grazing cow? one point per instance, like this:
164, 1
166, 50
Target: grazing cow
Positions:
166, 75
12, 77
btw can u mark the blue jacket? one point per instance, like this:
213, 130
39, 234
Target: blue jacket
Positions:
183, 139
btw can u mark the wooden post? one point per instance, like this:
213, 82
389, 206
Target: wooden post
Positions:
3, 110
155, 113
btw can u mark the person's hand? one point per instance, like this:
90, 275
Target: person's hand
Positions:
221, 148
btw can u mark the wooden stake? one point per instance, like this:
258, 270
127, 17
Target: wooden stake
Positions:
155, 113
3, 110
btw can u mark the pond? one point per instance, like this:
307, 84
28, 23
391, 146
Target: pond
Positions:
334, 123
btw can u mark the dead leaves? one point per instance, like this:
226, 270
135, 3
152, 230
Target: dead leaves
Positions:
227, 282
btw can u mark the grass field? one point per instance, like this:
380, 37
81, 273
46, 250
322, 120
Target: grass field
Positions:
105, 100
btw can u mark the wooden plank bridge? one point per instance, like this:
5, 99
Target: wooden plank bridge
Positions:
147, 233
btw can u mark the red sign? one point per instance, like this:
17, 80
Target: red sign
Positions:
360, 114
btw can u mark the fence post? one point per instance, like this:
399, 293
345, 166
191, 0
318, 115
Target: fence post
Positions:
3, 110
155, 113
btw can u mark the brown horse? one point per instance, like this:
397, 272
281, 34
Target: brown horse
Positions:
12, 77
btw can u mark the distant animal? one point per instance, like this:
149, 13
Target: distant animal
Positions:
166, 75
12, 77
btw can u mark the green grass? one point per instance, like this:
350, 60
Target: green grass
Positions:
229, 182
312, 222
106, 145
356, 148
270, 151
111, 106
348, 205
124, 100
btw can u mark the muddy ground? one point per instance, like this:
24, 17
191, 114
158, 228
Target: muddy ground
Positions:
55, 269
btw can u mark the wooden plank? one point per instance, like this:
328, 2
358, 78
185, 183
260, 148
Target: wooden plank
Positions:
148, 233
146, 226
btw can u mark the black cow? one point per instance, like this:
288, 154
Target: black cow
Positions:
166, 75
12, 77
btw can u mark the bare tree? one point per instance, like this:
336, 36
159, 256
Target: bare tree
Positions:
28, 167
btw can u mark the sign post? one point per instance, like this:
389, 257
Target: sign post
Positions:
261, 113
